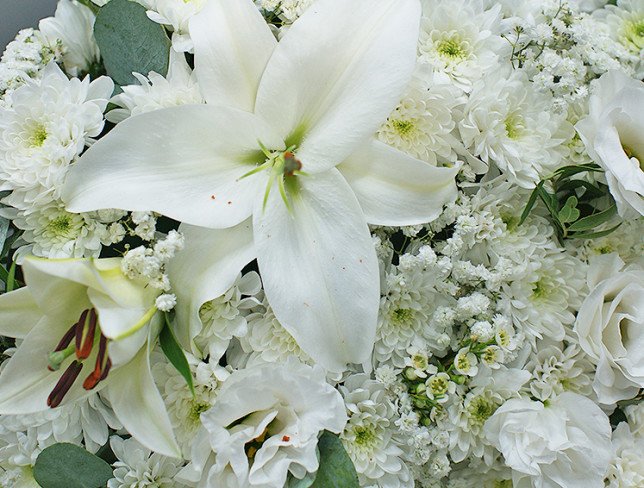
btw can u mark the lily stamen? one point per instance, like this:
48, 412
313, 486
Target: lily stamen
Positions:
85, 333
64, 384
101, 368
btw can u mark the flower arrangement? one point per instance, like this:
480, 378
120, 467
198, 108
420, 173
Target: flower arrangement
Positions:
317, 243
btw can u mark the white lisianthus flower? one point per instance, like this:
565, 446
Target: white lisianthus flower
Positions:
178, 87
460, 40
509, 123
565, 444
138, 467
280, 165
47, 125
610, 326
73, 27
612, 134
264, 425
114, 322
175, 14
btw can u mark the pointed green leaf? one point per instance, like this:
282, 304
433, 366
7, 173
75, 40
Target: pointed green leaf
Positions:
175, 354
336, 468
594, 235
11, 278
70, 466
594, 220
568, 171
130, 42
531, 201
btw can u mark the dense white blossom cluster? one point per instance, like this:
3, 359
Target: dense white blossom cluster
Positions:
418, 226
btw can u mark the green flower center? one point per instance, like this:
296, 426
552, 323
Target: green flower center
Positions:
542, 288
402, 316
61, 226
403, 127
38, 136
633, 33
451, 48
365, 436
438, 385
481, 409
463, 362
196, 409
514, 126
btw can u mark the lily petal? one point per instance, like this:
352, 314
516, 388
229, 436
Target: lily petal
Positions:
138, 405
320, 270
205, 269
232, 43
396, 189
185, 162
19, 313
337, 74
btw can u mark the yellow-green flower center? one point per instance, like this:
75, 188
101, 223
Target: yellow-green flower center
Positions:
61, 226
38, 136
402, 316
633, 34
403, 127
364, 436
481, 409
451, 48
514, 126
196, 409
438, 385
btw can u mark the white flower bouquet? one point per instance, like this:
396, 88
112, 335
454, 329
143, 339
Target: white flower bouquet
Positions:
323, 243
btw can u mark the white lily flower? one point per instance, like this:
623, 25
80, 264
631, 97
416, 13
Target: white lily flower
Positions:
282, 163
84, 328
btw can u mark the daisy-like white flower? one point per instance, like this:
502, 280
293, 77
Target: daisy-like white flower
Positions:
369, 435
73, 27
460, 40
138, 467
264, 425
508, 123
47, 125
179, 87
626, 21
185, 409
279, 119
626, 469
422, 123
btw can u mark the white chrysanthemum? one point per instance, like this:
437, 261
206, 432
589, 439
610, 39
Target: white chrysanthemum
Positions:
175, 14
460, 40
47, 125
138, 467
422, 123
50, 231
369, 435
24, 58
406, 305
543, 301
626, 469
626, 241
225, 317
466, 417
72, 27
183, 408
18, 454
86, 421
265, 425
626, 21
267, 340
555, 370
179, 87
508, 123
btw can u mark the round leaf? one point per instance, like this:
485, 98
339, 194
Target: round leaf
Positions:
336, 468
130, 42
70, 466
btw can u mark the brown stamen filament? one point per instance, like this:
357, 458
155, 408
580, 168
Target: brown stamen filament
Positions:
64, 384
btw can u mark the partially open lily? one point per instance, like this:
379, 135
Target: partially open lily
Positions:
281, 161
84, 327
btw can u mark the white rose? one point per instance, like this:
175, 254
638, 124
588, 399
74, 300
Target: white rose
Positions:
610, 326
565, 444
612, 134
264, 425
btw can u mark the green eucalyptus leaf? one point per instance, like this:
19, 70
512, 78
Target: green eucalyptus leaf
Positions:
591, 191
70, 466
336, 468
130, 42
175, 354
569, 212
594, 220
568, 171
305, 482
